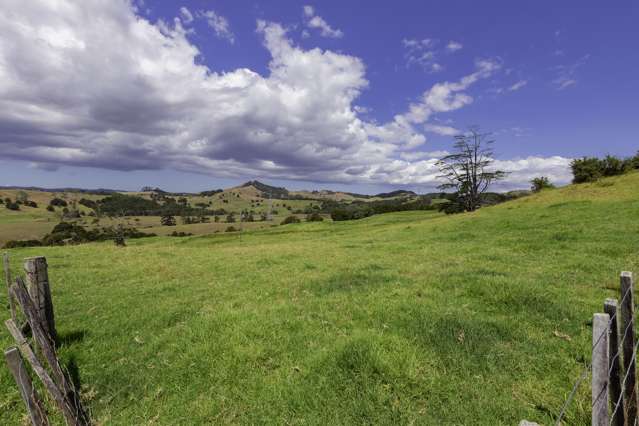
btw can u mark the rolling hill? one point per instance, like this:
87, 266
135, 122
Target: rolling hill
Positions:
401, 318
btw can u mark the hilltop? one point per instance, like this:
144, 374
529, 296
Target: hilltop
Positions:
412, 317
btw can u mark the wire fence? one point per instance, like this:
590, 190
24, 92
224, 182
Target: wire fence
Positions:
614, 387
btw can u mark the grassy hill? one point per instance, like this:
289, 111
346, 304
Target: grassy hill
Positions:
30, 223
400, 318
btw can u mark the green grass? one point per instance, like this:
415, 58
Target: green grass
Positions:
396, 319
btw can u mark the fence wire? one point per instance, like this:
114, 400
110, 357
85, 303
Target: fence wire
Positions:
588, 367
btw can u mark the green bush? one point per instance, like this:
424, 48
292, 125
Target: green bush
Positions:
290, 219
230, 229
314, 217
58, 202
21, 243
539, 183
586, 169
12, 205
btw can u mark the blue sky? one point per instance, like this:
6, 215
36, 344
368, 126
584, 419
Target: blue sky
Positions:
357, 95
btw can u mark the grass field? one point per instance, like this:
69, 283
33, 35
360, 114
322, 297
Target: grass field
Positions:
406, 318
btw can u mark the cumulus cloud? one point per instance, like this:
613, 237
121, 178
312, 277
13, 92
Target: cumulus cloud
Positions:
454, 46
317, 22
94, 84
219, 24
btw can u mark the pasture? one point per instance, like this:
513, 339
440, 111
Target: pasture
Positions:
402, 318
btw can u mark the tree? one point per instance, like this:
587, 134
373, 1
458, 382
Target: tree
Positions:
586, 169
469, 169
21, 197
539, 183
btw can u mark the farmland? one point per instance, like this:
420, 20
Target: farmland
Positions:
410, 317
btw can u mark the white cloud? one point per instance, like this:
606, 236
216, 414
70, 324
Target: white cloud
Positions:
566, 74
187, 16
317, 22
454, 46
518, 85
93, 84
219, 24
423, 53
442, 130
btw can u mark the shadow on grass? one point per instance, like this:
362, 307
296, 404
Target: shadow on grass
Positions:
352, 281
67, 339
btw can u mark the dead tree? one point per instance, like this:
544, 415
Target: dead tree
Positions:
469, 169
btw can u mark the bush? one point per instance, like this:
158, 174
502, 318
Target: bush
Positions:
12, 206
21, 243
230, 218
586, 169
451, 207
314, 217
290, 219
180, 234
167, 220
50, 208
612, 166
539, 183
230, 229
58, 202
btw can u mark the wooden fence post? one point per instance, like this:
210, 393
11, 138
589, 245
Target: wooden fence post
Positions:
40, 292
629, 363
7, 278
600, 369
614, 378
23, 380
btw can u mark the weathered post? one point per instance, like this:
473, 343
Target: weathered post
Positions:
614, 378
40, 292
23, 380
628, 344
600, 369
7, 278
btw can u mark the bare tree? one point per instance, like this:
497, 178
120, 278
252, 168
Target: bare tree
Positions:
468, 169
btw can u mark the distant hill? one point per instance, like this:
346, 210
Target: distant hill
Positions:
267, 191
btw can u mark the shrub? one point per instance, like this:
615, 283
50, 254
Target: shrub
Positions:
230, 229
539, 183
12, 206
50, 208
88, 203
290, 219
180, 234
21, 243
586, 169
30, 203
1, 201
612, 166
58, 202
230, 218
314, 217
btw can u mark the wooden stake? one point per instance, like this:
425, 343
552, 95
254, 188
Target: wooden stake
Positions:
628, 344
600, 369
47, 348
23, 380
40, 292
7, 278
614, 366
41, 372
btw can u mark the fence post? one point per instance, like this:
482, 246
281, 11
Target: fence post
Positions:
40, 292
7, 278
600, 369
629, 363
23, 380
614, 379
